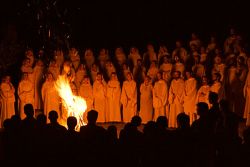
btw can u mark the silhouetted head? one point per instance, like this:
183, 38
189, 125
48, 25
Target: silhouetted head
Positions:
7, 123
41, 119
213, 97
92, 116
162, 121
112, 130
16, 121
136, 121
202, 109
224, 106
29, 110
71, 122
53, 116
183, 121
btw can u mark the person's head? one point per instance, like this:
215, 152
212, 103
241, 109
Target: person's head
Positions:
139, 62
203, 49
224, 106
53, 116
147, 80
29, 53
150, 47
217, 60
124, 66
213, 97
178, 44
112, 131
94, 67
202, 109
176, 74
82, 67
6, 79
176, 59
40, 62
129, 76
241, 60
88, 53
188, 74
153, 64
162, 121
86, 79
136, 121
71, 122
92, 116
99, 77
103, 51
193, 48
163, 48
25, 76
197, 59
133, 50
194, 36
49, 77
216, 77
165, 59
118, 50
29, 110
159, 76
41, 120
183, 121
26, 62
204, 80
113, 76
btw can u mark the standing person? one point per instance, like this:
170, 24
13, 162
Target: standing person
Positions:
50, 96
89, 58
176, 98
180, 51
129, 98
203, 92
38, 79
25, 93
190, 96
149, 56
178, 66
74, 57
80, 73
27, 68
216, 86
133, 57
100, 94
86, 92
93, 72
59, 57
7, 99
152, 71
160, 97
166, 67
146, 109
113, 113
54, 69
120, 56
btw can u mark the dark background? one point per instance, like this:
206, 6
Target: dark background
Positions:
93, 23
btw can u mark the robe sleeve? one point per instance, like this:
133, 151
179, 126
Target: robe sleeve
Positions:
124, 99
171, 95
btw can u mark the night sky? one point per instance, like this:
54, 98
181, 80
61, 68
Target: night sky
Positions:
112, 23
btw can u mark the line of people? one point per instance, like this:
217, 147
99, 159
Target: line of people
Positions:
151, 85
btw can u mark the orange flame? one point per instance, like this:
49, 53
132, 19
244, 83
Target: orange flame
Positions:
75, 105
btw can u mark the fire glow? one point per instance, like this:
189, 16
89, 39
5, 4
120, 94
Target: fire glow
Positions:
74, 105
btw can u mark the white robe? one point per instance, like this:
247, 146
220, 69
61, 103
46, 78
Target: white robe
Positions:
203, 94
86, 92
25, 94
29, 70
199, 70
217, 88
51, 99
190, 98
146, 104
182, 53
247, 96
38, 78
129, 100
176, 100
7, 99
160, 97
100, 100
166, 68
113, 113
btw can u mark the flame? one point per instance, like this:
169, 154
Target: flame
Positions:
74, 105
